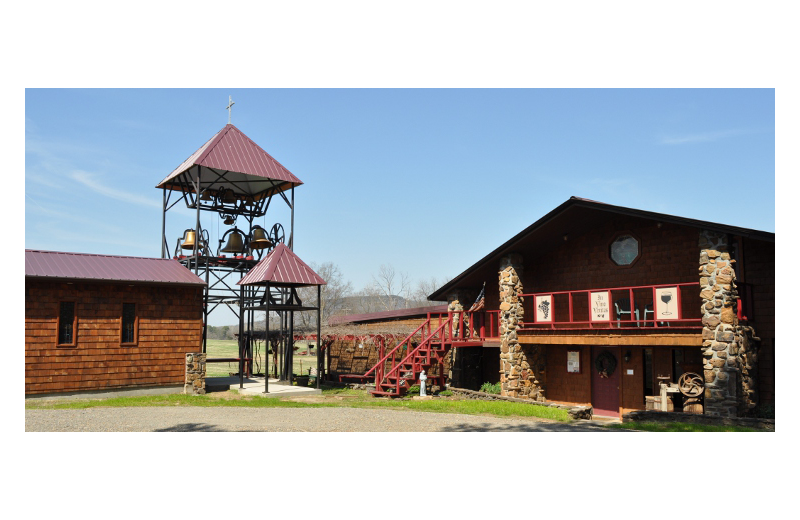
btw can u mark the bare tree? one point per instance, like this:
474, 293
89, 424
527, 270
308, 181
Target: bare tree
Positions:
334, 295
392, 288
420, 294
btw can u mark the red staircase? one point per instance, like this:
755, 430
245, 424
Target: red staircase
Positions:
393, 378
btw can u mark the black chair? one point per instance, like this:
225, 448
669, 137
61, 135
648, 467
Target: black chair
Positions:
623, 306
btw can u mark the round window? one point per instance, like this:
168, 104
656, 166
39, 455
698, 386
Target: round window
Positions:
624, 250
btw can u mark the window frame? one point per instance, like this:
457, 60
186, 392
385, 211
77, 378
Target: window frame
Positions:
135, 342
614, 239
74, 342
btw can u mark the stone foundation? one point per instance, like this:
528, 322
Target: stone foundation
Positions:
522, 368
195, 374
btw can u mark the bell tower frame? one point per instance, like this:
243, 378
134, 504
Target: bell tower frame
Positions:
231, 178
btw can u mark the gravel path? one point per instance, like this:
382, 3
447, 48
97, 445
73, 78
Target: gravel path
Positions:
198, 419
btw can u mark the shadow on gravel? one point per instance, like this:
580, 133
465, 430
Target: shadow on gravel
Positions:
538, 427
191, 427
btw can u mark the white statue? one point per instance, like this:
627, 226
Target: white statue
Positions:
422, 379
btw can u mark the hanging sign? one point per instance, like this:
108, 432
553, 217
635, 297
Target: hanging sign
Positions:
600, 303
667, 303
573, 362
544, 308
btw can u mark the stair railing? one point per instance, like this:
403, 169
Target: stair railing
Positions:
424, 343
379, 366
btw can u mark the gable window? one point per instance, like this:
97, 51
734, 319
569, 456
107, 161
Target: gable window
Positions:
624, 250
129, 333
67, 324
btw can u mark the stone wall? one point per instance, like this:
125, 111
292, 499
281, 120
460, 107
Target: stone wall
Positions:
726, 349
195, 374
522, 368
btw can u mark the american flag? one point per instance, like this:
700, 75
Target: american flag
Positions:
479, 301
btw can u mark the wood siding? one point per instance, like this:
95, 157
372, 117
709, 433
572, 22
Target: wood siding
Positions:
759, 273
170, 325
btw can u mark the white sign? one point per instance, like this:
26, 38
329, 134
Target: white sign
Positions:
667, 303
630, 371
544, 308
601, 306
573, 361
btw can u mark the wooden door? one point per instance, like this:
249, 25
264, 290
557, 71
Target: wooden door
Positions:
605, 390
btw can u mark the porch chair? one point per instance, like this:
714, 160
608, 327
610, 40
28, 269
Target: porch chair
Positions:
623, 306
648, 308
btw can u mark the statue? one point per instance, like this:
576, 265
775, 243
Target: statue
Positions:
422, 379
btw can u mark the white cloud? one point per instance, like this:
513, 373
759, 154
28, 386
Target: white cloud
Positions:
92, 182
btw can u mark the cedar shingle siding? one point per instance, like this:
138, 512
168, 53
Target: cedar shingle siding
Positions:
170, 325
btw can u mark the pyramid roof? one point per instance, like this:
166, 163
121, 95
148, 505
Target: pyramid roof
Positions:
244, 166
281, 267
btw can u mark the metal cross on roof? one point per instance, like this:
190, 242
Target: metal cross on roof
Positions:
230, 104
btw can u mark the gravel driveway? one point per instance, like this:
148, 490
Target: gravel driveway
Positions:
198, 419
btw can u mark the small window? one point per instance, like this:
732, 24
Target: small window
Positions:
624, 250
67, 324
130, 331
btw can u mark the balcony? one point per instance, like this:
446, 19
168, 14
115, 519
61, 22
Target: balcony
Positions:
645, 307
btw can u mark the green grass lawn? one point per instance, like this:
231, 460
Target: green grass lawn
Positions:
216, 348
331, 397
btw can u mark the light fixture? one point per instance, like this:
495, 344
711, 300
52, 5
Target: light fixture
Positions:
627, 356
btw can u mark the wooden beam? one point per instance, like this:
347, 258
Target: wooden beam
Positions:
650, 340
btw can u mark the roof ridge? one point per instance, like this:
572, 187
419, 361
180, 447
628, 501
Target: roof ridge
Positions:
218, 137
94, 254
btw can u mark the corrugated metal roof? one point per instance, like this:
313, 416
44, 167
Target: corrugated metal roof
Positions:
281, 266
231, 150
85, 266
387, 315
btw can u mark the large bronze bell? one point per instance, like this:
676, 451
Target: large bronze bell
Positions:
229, 197
235, 243
190, 239
260, 240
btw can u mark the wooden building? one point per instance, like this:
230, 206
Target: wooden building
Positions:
600, 304
354, 343
97, 322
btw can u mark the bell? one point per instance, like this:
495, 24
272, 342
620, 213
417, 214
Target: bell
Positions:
229, 220
229, 197
235, 243
260, 240
206, 195
190, 239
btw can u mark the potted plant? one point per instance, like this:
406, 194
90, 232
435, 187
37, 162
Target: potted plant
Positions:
301, 380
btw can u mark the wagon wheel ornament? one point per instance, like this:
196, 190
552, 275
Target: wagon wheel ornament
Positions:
690, 384
276, 235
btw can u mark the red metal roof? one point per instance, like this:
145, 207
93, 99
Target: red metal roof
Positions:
231, 150
83, 266
281, 266
387, 315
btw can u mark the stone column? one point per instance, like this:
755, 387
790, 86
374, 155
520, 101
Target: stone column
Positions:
454, 372
521, 367
721, 340
195, 374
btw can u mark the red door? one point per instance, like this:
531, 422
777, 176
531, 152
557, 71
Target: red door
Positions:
605, 390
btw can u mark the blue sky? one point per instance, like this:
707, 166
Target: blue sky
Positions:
416, 178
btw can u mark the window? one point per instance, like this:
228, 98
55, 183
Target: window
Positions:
129, 333
67, 324
624, 250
